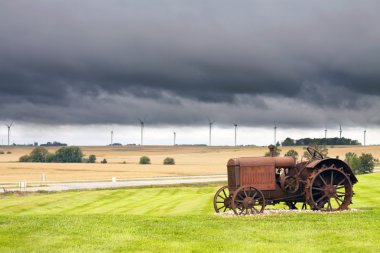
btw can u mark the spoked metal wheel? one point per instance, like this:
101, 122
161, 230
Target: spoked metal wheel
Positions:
290, 184
248, 200
329, 189
222, 200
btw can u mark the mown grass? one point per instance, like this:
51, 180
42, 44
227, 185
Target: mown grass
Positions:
179, 219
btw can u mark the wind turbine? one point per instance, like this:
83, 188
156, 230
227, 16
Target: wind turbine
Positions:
365, 131
325, 133
174, 133
340, 131
142, 131
111, 137
9, 130
211, 122
236, 125
275, 132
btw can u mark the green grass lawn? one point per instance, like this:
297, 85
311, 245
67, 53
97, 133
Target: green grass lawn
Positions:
179, 219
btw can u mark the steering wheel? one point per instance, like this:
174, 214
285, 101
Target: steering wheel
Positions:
315, 154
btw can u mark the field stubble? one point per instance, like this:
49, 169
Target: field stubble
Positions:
190, 160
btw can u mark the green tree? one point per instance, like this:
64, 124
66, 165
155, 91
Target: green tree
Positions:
68, 155
367, 163
362, 164
288, 142
292, 153
38, 155
50, 158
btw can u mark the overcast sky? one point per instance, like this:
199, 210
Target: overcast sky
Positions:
73, 70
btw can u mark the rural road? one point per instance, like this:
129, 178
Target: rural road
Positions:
131, 183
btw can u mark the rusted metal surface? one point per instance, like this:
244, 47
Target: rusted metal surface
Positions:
337, 163
321, 191
233, 173
285, 162
261, 176
254, 182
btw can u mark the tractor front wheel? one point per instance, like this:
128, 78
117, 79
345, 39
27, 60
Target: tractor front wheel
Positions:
248, 200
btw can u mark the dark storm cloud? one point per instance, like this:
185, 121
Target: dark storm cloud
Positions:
87, 62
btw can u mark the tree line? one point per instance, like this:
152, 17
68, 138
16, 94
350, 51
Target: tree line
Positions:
319, 141
62, 155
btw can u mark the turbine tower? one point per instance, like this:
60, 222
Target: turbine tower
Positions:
275, 132
211, 122
111, 137
340, 131
326, 133
365, 131
9, 130
174, 133
236, 125
142, 131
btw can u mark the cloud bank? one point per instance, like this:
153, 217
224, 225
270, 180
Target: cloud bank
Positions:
301, 64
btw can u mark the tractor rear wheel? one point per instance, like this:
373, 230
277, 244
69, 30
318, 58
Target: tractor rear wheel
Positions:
329, 189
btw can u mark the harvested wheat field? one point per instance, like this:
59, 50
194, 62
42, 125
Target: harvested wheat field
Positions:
123, 162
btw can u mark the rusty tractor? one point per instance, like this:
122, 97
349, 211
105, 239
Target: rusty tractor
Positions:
254, 182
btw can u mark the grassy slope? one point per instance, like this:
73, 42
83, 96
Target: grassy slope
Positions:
179, 219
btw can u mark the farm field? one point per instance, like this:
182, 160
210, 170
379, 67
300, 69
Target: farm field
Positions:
190, 160
179, 219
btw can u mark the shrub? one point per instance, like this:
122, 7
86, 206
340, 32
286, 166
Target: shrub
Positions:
144, 160
9, 152
38, 155
68, 155
104, 160
360, 165
292, 153
353, 161
91, 159
24, 159
1, 152
366, 163
169, 161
